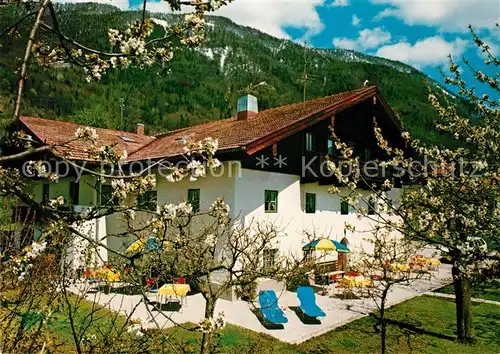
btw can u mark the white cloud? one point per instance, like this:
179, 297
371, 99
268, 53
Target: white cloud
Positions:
426, 52
340, 3
447, 15
345, 43
272, 16
493, 43
269, 16
373, 38
355, 20
121, 4
367, 39
161, 6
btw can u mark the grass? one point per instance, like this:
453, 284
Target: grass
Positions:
487, 290
100, 321
421, 325
431, 330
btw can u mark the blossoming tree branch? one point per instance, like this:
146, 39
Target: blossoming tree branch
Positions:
132, 46
453, 193
194, 253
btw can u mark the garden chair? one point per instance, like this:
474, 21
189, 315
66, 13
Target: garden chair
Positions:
269, 308
307, 300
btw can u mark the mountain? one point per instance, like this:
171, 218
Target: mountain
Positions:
204, 83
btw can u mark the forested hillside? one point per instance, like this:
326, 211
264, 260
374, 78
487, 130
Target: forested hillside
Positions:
200, 84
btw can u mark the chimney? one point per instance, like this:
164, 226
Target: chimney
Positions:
247, 107
139, 129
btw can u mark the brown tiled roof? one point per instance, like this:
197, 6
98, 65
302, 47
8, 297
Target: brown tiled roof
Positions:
55, 132
233, 133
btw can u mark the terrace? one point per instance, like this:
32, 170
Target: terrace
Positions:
338, 310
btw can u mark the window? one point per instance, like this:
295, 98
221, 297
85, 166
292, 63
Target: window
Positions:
45, 192
74, 192
127, 139
344, 207
331, 147
310, 203
107, 197
371, 206
368, 154
271, 201
351, 145
194, 199
310, 142
269, 257
148, 200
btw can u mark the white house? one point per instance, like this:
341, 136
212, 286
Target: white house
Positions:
273, 165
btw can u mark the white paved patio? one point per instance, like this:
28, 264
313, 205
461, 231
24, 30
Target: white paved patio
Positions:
338, 311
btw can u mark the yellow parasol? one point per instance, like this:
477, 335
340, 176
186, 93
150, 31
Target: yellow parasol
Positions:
325, 245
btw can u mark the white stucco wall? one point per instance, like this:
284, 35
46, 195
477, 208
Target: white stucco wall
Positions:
292, 219
329, 222
217, 183
250, 189
60, 187
95, 229
244, 191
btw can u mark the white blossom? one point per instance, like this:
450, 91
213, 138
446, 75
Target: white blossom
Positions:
86, 133
405, 135
176, 175
213, 163
220, 210
210, 325
57, 202
129, 214
36, 249
387, 184
170, 212
136, 330
197, 169
211, 240
36, 168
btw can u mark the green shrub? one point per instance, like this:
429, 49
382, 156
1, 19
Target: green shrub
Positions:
299, 278
247, 292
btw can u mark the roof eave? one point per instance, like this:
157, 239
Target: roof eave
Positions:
389, 110
26, 125
262, 142
178, 156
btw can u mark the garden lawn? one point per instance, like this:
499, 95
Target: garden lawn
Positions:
429, 328
487, 290
433, 331
89, 318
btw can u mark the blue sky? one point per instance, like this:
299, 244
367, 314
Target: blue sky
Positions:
420, 33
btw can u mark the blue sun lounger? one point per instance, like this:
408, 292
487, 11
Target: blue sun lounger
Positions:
270, 309
307, 301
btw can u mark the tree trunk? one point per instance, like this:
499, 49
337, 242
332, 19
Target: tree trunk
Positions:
208, 337
463, 304
383, 335
467, 311
383, 323
459, 301
27, 54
